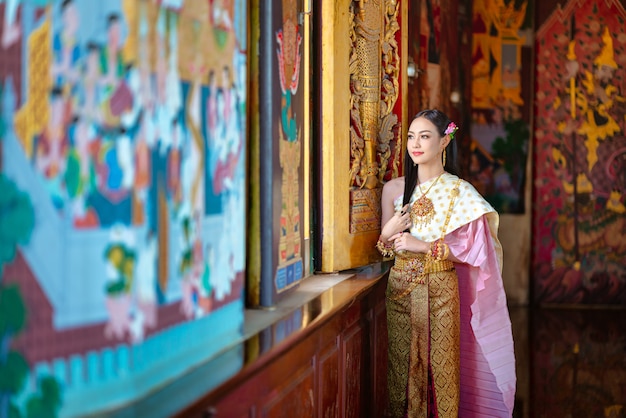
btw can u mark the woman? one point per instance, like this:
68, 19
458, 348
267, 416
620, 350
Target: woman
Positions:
450, 342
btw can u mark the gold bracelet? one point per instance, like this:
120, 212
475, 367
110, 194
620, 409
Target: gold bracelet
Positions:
386, 250
434, 249
446, 252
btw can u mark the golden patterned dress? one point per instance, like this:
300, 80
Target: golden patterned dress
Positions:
450, 340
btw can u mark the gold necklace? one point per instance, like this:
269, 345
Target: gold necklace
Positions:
423, 210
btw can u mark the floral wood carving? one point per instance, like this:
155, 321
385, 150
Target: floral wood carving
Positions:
374, 87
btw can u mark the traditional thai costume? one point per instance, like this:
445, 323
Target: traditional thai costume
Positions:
450, 341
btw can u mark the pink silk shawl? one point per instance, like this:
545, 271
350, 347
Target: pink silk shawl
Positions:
487, 356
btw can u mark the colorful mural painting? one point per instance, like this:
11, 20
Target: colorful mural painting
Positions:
580, 155
281, 143
500, 114
122, 235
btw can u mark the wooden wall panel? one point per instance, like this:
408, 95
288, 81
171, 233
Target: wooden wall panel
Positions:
378, 343
352, 348
328, 380
336, 370
294, 399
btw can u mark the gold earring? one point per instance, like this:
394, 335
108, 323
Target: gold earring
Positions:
444, 157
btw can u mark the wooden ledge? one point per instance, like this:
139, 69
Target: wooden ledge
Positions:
259, 349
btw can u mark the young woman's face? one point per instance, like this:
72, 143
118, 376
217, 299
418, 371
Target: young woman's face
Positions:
424, 144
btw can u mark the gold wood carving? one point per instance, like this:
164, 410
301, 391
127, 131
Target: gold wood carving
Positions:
389, 91
367, 34
358, 163
374, 85
358, 126
365, 210
374, 74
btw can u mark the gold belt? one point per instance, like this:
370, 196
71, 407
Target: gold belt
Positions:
416, 266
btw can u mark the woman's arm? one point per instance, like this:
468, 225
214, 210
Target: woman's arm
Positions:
395, 223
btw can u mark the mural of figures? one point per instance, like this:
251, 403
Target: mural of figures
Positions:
123, 138
282, 179
500, 123
580, 154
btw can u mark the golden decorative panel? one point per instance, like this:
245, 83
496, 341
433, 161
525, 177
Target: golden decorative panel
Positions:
360, 130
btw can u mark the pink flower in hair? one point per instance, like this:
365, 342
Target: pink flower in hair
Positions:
451, 129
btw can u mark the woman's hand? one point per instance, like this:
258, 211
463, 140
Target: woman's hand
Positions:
407, 242
404, 241
400, 221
